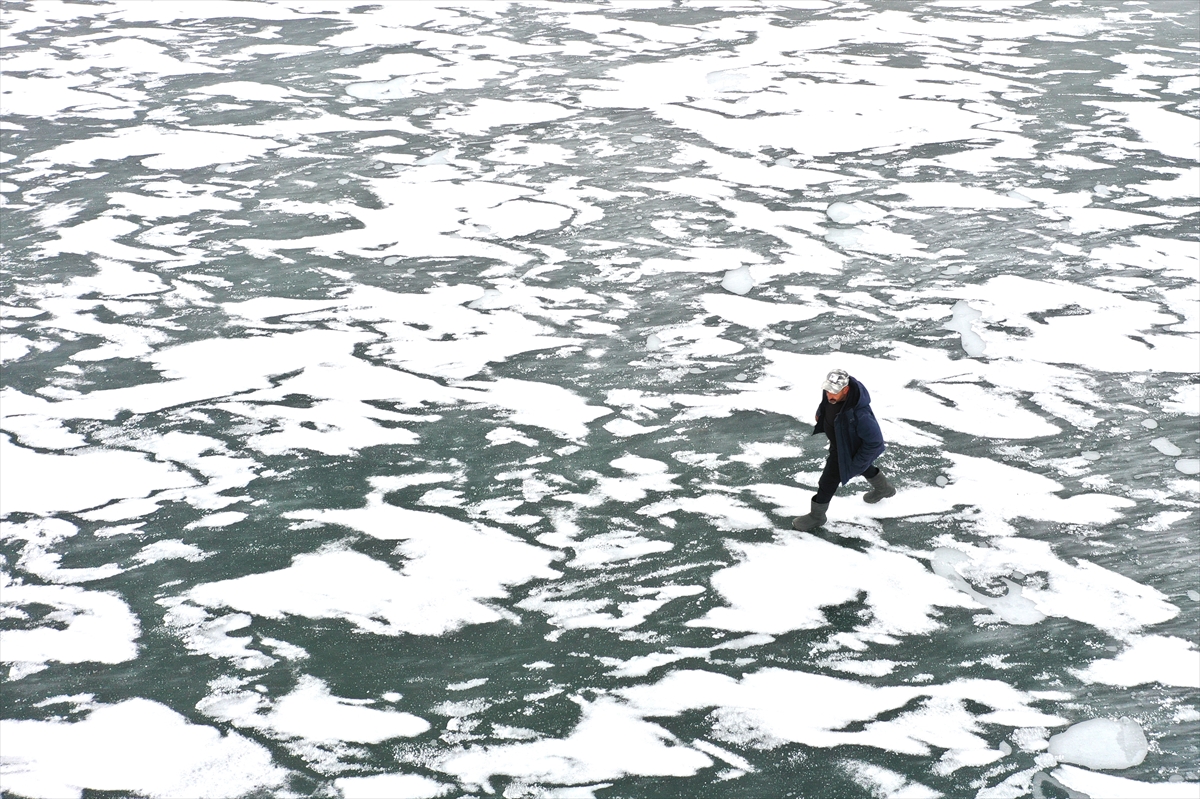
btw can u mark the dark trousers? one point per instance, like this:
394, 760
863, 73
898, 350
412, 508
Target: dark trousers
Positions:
831, 478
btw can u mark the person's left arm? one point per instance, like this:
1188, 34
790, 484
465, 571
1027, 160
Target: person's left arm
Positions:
872, 442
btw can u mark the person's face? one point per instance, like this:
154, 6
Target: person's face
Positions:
838, 397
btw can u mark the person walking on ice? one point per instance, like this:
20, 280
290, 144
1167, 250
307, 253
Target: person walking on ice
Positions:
855, 441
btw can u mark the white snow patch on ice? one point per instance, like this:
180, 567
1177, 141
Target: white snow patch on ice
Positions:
136, 746
451, 569
486, 113
1162, 659
1185, 400
99, 627
170, 550
767, 593
773, 706
205, 635
391, 786
625, 428
160, 148
1110, 786
223, 519
610, 741
759, 314
1011, 606
41, 483
310, 712
1084, 591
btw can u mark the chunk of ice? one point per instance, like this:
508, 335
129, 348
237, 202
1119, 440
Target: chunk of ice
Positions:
1188, 465
841, 212
1090, 455
852, 213
739, 280
942, 480
1166, 447
962, 322
1013, 607
653, 342
1101, 743
1149, 424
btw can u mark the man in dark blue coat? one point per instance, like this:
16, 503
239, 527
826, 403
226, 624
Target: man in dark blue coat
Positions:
855, 441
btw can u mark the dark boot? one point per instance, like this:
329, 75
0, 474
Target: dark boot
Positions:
880, 489
814, 518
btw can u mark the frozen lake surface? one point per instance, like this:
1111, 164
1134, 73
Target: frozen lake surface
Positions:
411, 399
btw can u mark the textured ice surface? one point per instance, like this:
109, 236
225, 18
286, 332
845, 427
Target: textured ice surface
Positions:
424, 391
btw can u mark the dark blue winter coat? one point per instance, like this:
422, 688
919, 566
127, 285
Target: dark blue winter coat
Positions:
856, 432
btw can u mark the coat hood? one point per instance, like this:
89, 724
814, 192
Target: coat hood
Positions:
864, 397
